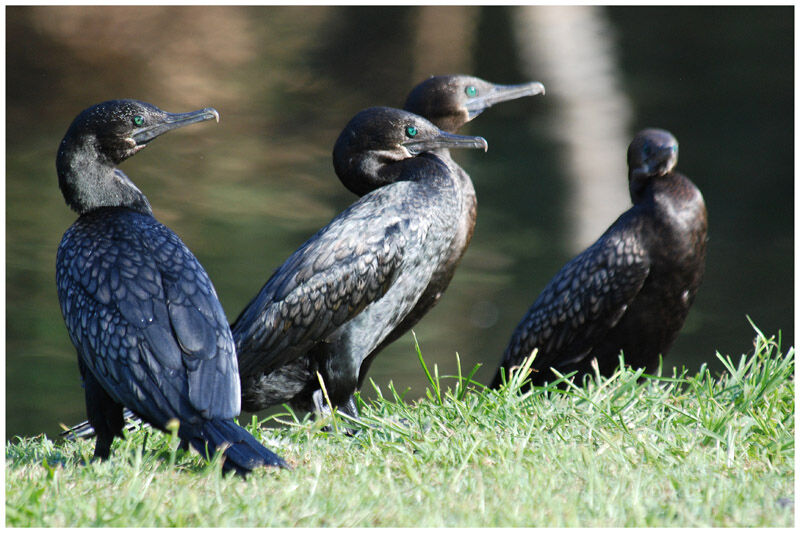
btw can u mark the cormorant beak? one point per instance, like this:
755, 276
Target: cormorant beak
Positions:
172, 121
501, 93
658, 166
444, 140
665, 163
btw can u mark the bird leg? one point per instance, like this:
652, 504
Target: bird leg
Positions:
104, 414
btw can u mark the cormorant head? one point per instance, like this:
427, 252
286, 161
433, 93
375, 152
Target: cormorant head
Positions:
120, 128
103, 136
367, 152
452, 101
652, 153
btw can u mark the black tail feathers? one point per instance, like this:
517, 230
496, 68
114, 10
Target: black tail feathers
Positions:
242, 451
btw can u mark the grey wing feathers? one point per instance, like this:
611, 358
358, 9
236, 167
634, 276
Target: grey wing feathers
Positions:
586, 298
146, 319
331, 278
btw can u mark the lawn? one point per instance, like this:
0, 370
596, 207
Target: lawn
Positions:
631, 450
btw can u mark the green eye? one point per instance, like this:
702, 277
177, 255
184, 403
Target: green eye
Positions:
138, 120
411, 131
471, 91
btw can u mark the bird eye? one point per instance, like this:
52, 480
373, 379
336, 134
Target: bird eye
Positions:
471, 91
411, 131
138, 120
646, 150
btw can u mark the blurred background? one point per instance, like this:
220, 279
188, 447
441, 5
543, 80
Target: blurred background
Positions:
244, 193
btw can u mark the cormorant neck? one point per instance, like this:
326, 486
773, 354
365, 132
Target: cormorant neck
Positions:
637, 185
450, 122
372, 170
640, 183
89, 180
671, 187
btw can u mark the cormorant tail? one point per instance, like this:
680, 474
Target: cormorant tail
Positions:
242, 451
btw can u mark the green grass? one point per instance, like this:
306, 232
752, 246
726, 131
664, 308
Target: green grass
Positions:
688, 450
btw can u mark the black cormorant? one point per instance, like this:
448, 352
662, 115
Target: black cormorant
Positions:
449, 102
631, 290
337, 297
149, 330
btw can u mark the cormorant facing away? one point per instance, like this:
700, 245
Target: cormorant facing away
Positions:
337, 297
631, 290
449, 102
150, 332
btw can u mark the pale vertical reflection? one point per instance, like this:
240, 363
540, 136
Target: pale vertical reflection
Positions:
571, 50
443, 40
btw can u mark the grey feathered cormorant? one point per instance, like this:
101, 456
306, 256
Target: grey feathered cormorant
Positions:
142, 313
632, 289
342, 292
449, 102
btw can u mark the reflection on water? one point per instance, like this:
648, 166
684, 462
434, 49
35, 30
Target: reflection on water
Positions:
571, 47
245, 193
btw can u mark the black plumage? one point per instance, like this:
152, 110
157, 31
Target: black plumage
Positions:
631, 290
449, 102
142, 313
338, 296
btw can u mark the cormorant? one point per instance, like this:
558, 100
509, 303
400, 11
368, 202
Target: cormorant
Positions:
142, 313
342, 292
449, 102
631, 290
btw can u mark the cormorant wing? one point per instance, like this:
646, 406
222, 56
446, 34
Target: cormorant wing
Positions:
585, 299
331, 278
147, 319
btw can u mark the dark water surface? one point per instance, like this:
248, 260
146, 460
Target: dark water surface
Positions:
244, 193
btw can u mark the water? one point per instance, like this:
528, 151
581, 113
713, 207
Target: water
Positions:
243, 194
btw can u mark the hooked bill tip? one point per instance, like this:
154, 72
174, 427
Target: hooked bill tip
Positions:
534, 88
213, 112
